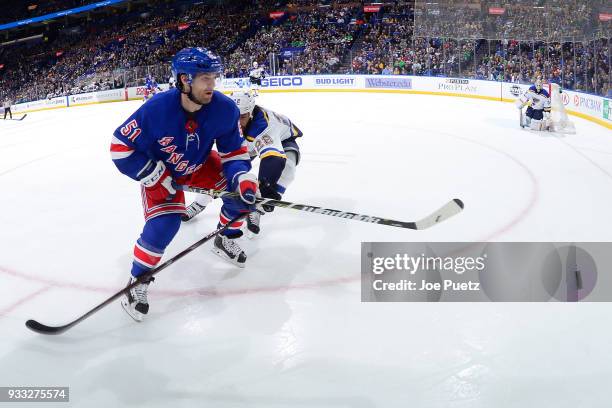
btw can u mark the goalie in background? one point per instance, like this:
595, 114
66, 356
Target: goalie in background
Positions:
537, 116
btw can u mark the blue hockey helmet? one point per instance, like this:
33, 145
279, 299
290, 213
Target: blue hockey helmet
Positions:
193, 61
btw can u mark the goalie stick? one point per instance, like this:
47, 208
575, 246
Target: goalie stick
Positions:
448, 210
44, 329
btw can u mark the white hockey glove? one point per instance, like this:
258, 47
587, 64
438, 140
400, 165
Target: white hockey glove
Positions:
519, 104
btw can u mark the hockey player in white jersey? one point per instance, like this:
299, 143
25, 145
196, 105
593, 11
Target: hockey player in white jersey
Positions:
538, 110
271, 137
255, 76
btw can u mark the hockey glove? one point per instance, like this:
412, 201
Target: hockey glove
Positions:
519, 104
158, 182
268, 191
247, 188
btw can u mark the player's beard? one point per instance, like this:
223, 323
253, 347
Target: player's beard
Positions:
203, 97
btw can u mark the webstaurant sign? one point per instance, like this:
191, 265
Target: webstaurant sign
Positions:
82, 99
389, 82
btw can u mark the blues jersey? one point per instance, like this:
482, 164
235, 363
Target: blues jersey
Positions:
267, 131
257, 73
539, 100
162, 130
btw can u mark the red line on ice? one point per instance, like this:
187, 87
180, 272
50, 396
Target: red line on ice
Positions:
23, 300
205, 291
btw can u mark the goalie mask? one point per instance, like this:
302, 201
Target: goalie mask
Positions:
538, 84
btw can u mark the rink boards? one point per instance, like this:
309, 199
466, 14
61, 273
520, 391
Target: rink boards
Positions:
590, 107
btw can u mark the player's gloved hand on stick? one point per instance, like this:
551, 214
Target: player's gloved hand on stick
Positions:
247, 188
158, 182
268, 191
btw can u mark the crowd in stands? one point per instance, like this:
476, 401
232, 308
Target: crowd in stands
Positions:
14, 10
553, 20
572, 65
110, 48
306, 42
403, 38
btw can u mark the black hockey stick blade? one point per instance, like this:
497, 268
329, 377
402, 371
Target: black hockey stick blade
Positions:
450, 209
44, 329
21, 118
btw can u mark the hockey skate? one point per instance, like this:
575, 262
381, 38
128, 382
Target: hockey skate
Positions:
192, 210
229, 250
252, 223
135, 302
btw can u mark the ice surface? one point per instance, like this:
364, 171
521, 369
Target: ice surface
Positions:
289, 330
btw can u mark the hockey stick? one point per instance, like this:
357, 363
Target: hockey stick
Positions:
453, 207
44, 329
21, 118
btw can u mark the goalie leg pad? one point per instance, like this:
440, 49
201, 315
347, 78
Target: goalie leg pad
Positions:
538, 125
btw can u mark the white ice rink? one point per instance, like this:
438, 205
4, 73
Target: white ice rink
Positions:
289, 330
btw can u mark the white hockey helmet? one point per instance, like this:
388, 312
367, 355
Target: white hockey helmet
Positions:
255, 64
538, 83
244, 100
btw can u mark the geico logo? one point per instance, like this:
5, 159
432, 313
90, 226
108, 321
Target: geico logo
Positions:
282, 81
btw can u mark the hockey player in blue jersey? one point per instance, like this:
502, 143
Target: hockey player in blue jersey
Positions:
169, 140
151, 88
538, 110
271, 137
